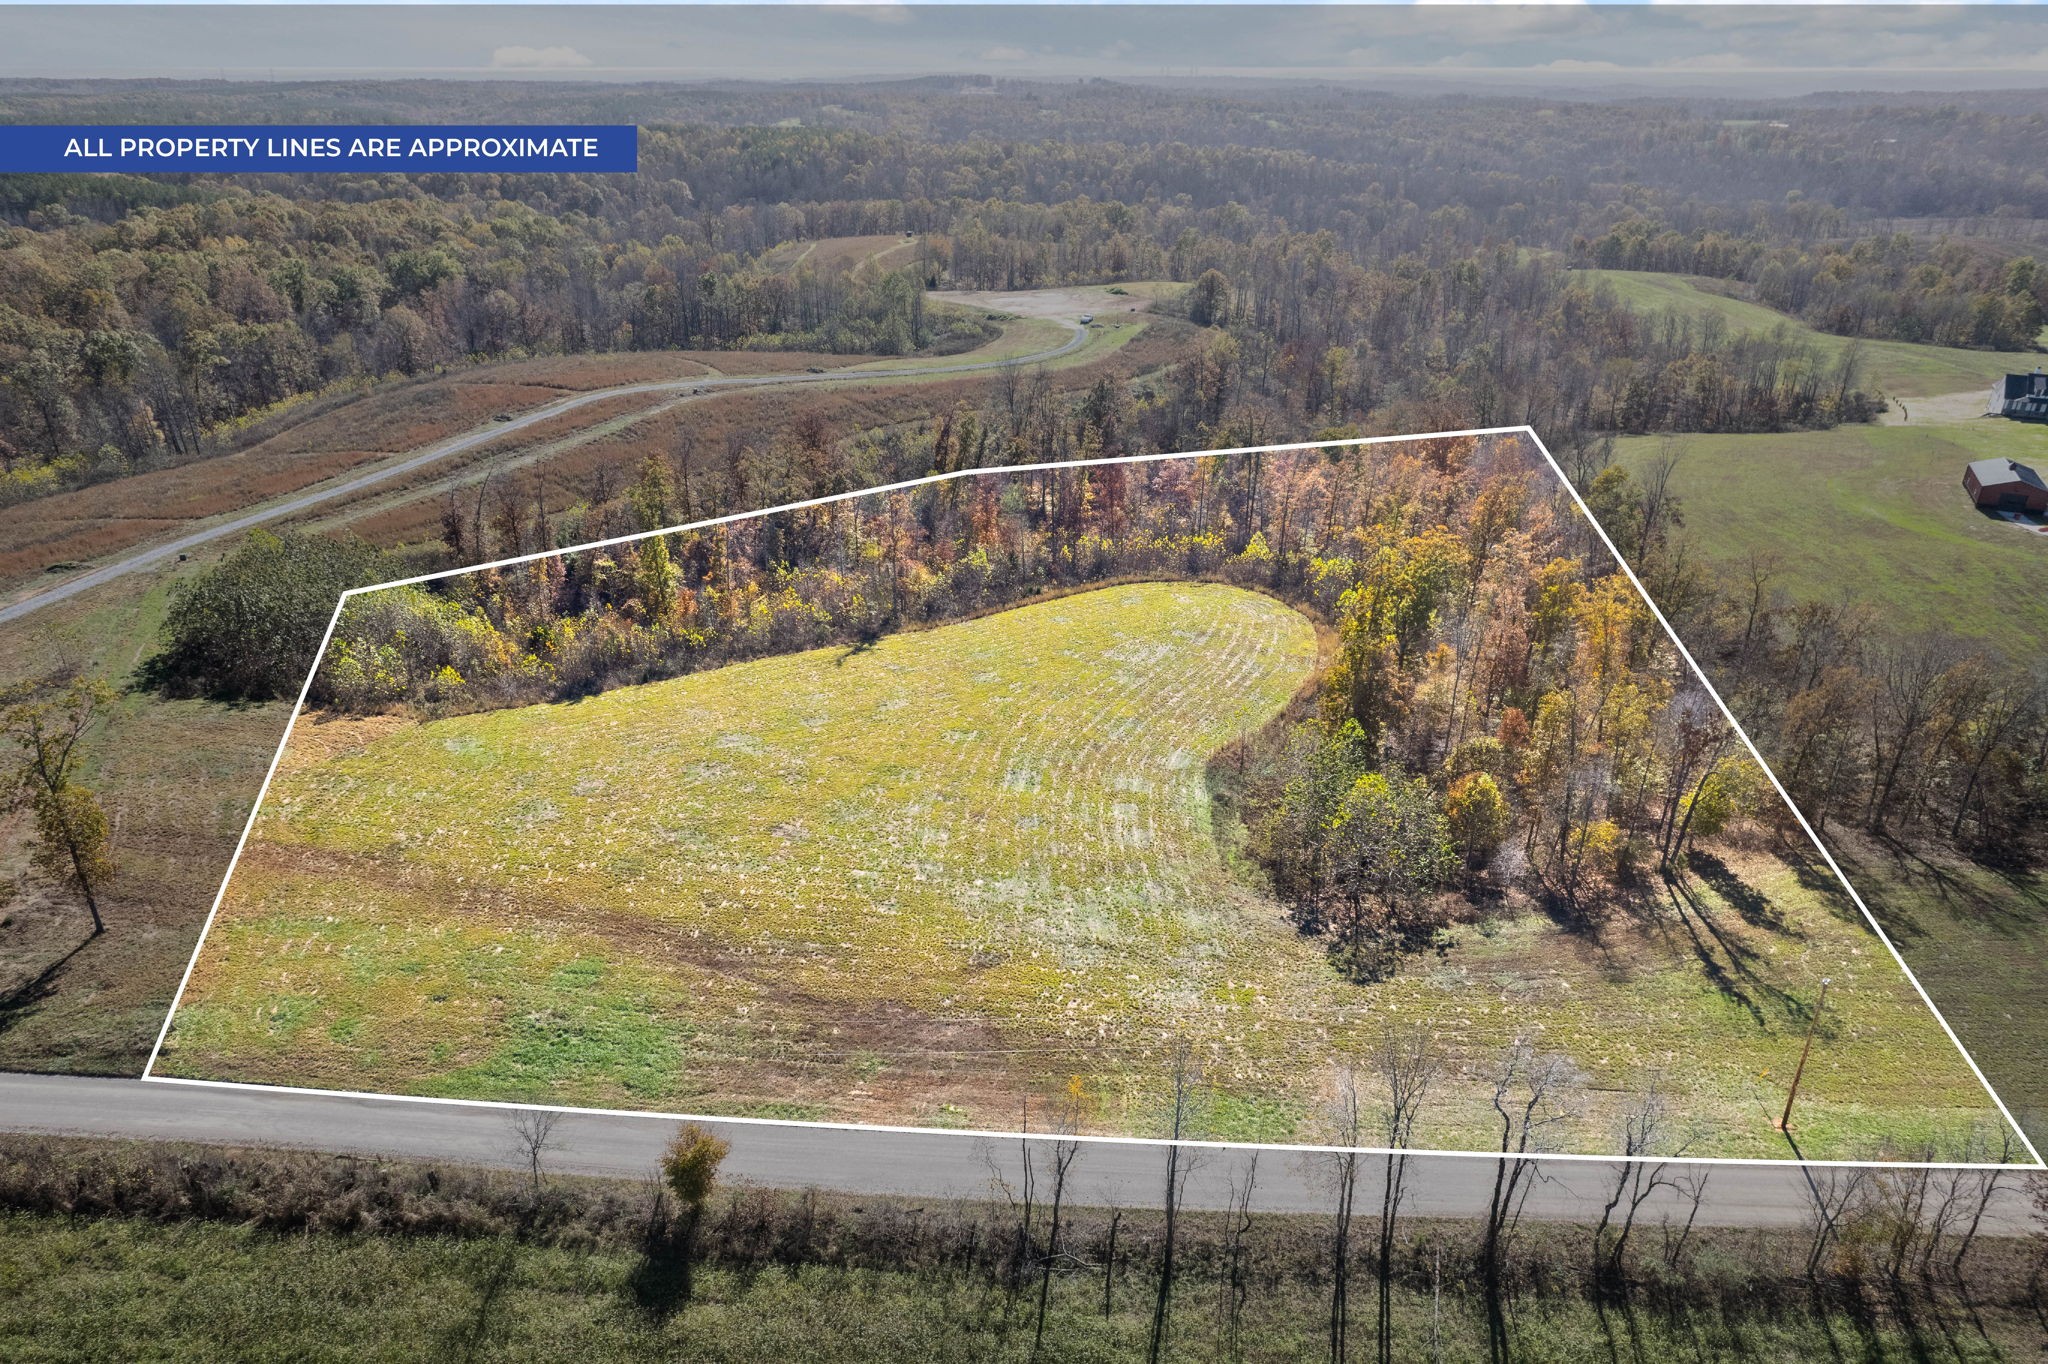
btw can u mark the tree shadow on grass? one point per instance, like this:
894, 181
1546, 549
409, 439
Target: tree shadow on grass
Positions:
1746, 900
864, 642
1590, 923
1727, 962
21, 1001
471, 1338
659, 1284
2018, 907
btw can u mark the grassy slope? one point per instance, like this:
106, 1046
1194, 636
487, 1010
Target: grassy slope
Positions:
1897, 368
917, 882
1876, 513
176, 779
1976, 938
95, 1289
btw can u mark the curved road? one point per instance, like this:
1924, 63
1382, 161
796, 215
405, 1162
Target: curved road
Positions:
867, 1161
483, 435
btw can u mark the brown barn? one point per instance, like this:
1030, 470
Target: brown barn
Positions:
2005, 485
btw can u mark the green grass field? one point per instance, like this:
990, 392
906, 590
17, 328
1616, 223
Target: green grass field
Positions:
1976, 938
924, 881
75, 1289
176, 779
1874, 514
1897, 368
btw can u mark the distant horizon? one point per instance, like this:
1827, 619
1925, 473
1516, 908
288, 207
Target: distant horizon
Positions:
1741, 51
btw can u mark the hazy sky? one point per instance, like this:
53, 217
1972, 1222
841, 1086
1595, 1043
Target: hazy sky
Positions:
1746, 47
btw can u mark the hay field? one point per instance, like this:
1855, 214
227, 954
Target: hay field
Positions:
929, 881
1896, 368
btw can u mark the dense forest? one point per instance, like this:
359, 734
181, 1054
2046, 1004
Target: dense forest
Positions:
1390, 263
1357, 263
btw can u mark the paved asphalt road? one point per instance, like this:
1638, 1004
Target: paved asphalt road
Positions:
469, 440
913, 1164
918, 1165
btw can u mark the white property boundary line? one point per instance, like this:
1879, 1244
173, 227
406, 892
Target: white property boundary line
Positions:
298, 707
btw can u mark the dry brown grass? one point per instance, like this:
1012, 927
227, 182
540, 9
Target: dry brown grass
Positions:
176, 779
109, 517
411, 515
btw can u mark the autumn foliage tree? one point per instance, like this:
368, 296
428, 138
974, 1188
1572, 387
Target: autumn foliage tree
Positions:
73, 838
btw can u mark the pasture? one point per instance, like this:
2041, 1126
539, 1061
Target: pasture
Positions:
1875, 514
1895, 368
950, 878
1975, 936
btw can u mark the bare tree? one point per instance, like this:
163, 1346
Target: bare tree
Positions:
1021, 1197
1531, 1093
1184, 1074
1982, 1188
1644, 1133
1347, 1124
1832, 1195
1408, 1064
1237, 1256
533, 1136
1692, 1186
1064, 1150
1116, 1217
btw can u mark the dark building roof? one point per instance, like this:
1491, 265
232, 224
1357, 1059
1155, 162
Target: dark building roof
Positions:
1992, 472
2033, 385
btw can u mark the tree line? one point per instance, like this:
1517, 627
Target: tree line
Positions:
1886, 286
1500, 704
1390, 260
1926, 737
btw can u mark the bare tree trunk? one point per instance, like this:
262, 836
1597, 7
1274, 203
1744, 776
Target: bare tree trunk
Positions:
1163, 1298
1063, 1154
1340, 1257
1240, 1228
1116, 1217
1162, 1303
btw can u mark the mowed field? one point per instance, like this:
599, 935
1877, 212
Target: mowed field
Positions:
1875, 514
1976, 937
1896, 368
1877, 510
937, 879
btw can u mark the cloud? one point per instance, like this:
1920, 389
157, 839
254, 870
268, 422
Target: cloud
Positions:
1003, 52
878, 14
538, 59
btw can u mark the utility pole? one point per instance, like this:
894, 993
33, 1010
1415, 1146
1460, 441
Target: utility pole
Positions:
1785, 1122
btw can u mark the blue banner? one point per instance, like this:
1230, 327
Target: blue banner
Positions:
262, 147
